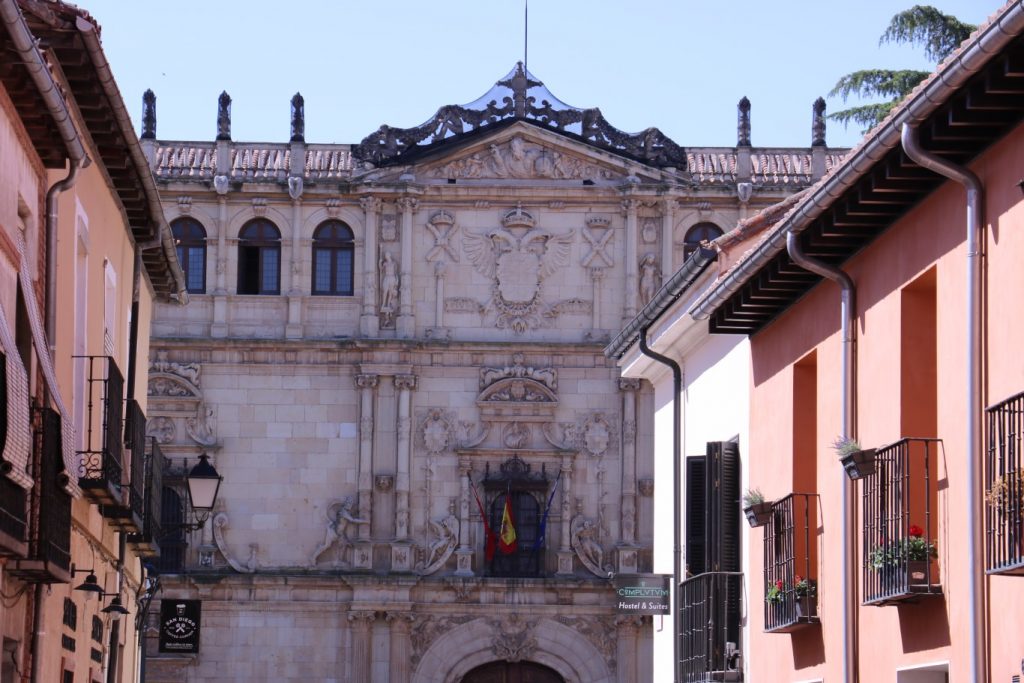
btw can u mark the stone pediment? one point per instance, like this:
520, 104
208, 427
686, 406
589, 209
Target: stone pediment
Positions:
517, 390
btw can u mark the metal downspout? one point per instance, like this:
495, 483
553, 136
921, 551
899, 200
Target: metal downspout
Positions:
975, 194
849, 308
677, 432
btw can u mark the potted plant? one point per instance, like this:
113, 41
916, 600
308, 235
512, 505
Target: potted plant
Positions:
806, 597
756, 508
917, 551
1006, 493
858, 462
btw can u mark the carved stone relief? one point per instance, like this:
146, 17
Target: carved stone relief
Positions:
388, 227
596, 435
518, 158
425, 632
516, 259
513, 640
599, 237
341, 517
389, 286
650, 278
161, 428
203, 427
546, 376
436, 431
443, 229
601, 633
187, 371
585, 542
220, 522
649, 230
446, 538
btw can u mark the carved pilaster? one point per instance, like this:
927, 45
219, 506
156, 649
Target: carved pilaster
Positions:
405, 385
668, 222
629, 386
400, 655
596, 278
629, 209
464, 555
405, 324
361, 624
366, 384
368, 322
565, 553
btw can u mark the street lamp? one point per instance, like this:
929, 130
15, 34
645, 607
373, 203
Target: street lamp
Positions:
203, 484
115, 609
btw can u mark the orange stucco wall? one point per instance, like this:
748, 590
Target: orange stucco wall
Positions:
928, 242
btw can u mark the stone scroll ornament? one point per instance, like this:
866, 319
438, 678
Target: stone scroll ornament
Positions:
516, 258
220, 521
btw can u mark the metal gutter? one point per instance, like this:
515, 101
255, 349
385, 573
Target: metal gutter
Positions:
676, 285
848, 400
975, 194
880, 141
124, 122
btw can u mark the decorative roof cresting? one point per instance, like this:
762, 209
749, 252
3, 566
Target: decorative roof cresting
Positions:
519, 96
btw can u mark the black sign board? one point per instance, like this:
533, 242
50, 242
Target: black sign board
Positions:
647, 594
180, 625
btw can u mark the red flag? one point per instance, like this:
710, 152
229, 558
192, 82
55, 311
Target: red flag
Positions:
491, 538
507, 542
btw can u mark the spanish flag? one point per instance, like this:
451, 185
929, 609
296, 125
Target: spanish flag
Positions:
507, 536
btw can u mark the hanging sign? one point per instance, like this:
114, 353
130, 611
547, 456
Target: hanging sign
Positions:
649, 594
180, 625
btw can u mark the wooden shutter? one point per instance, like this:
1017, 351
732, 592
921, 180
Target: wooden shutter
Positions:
696, 517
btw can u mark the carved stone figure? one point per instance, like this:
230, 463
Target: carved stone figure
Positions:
512, 640
148, 115
203, 427
339, 517
546, 376
389, 284
649, 278
516, 436
188, 371
584, 541
298, 118
224, 116
441, 548
161, 428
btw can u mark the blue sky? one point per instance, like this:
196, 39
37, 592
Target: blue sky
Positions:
680, 66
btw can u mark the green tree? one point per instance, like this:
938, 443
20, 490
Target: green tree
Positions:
921, 25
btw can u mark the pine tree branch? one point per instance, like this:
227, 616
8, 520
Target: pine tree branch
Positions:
940, 34
877, 83
867, 115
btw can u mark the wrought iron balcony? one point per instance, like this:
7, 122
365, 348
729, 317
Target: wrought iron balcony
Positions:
708, 608
102, 453
790, 564
900, 523
128, 515
1004, 487
13, 519
148, 540
49, 545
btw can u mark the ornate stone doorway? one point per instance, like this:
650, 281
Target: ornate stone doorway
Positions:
512, 672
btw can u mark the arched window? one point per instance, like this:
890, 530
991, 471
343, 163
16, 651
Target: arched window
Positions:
333, 259
697, 234
190, 238
259, 258
526, 515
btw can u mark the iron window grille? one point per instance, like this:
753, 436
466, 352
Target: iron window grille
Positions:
1004, 487
190, 240
790, 564
259, 258
708, 627
172, 539
13, 518
129, 517
333, 259
900, 523
102, 453
527, 492
97, 629
70, 614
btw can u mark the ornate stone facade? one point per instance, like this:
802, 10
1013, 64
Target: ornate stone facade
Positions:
361, 434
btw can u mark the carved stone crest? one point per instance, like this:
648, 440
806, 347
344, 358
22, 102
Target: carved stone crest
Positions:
513, 641
516, 258
161, 428
596, 436
436, 430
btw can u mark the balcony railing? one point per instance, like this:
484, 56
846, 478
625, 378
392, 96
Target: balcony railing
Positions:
13, 519
1004, 487
901, 524
128, 515
147, 541
790, 564
709, 607
102, 451
49, 551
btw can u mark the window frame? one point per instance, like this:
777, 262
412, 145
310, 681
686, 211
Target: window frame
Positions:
257, 239
697, 233
334, 245
190, 234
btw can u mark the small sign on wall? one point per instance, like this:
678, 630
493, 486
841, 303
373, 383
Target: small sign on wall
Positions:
180, 625
650, 594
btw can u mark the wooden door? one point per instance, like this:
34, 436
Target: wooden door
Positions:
512, 672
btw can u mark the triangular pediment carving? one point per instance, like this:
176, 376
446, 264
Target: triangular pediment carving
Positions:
166, 385
523, 157
517, 390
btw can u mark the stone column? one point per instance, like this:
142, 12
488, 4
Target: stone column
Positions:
366, 384
369, 323
596, 277
564, 549
464, 554
405, 325
627, 628
219, 327
361, 625
400, 654
405, 384
629, 207
668, 222
292, 259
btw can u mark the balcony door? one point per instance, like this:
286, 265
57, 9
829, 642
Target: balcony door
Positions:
512, 672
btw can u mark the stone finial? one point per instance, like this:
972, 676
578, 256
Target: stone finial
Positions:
224, 116
148, 116
818, 123
743, 123
298, 118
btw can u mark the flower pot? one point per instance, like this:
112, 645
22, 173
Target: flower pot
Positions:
806, 606
758, 514
859, 464
917, 572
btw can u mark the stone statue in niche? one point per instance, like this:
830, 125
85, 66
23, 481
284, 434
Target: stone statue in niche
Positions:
440, 549
340, 516
203, 427
649, 278
389, 284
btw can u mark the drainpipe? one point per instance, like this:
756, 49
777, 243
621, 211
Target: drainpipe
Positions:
849, 309
677, 431
972, 184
